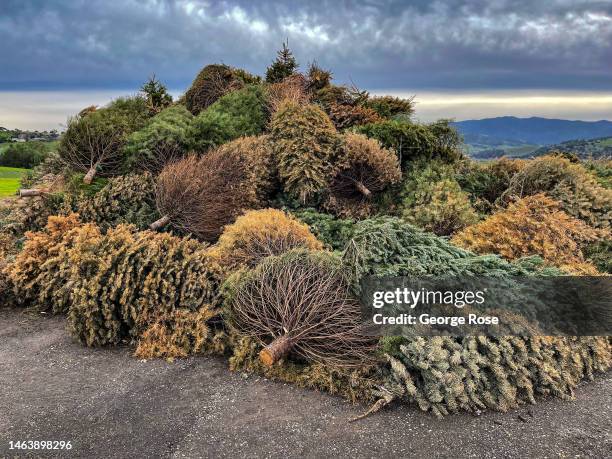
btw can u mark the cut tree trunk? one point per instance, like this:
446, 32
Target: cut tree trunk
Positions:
362, 189
91, 173
159, 224
275, 351
28, 193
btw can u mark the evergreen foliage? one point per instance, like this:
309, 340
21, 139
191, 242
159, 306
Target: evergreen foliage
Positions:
447, 140
388, 246
127, 199
41, 273
600, 254
179, 333
431, 199
410, 141
156, 95
486, 182
345, 116
571, 184
318, 78
284, 66
361, 170
293, 89
304, 142
127, 279
26, 155
354, 384
93, 143
239, 113
534, 225
210, 84
21, 215
234, 144
259, 234
391, 107
163, 139
132, 111
332, 231
448, 374
445, 374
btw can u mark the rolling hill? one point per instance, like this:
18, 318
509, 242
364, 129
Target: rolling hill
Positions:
512, 136
595, 148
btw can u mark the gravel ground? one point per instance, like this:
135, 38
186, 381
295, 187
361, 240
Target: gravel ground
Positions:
109, 404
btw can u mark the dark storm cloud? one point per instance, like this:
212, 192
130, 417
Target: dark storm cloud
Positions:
454, 44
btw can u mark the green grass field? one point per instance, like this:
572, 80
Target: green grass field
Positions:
9, 180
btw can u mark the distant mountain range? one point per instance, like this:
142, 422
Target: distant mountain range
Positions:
511, 136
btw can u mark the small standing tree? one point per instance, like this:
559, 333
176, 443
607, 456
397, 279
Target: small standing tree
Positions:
156, 95
285, 65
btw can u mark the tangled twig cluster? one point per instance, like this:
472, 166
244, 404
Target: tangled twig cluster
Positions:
300, 303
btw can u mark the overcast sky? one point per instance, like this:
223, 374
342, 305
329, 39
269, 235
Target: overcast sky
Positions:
475, 56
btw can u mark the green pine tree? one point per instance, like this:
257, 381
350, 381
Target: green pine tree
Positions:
156, 95
285, 65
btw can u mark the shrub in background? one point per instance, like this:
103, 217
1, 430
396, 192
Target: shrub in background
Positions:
25, 155
299, 303
239, 113
571, 184
259, 234
362, 169
162, 140
534, 225
304, 142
